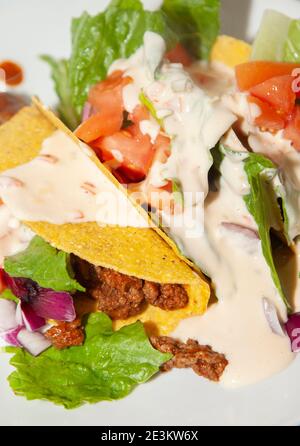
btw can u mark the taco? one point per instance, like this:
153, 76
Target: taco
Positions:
136, 258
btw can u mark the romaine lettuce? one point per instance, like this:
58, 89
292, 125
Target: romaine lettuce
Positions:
262, 203
118, 32
107, 367
45, 265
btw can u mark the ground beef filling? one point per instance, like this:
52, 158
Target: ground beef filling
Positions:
122, 296
202, 359
66, 334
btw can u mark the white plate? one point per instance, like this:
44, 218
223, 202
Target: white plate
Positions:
32, 27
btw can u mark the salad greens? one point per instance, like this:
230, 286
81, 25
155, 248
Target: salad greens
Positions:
278, 38
8, 295
45, 265
107, 367
262, 203
196, 22
118, 32
292, 43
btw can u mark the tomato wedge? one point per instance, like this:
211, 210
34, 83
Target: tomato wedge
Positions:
251, 74
292, 130
179, 55
106, 98
278, 93
269, 118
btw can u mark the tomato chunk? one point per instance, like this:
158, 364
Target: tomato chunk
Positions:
269, 119
292, 130
253, 73
134, 153
179, 55
278, 93
106, 98
102, 124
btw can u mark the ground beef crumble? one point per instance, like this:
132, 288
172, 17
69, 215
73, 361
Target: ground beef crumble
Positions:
202, 359
66, 334
121, 296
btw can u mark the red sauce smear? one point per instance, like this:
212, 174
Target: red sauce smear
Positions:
13, 73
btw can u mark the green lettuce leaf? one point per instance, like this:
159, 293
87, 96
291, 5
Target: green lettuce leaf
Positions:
118, 32
262, 203
8, 295
107, 367
292, 43
45, 265
60, 77
196, 22
97, 41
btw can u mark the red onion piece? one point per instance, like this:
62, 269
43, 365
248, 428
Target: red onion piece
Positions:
31, 320
50, 304
272, 317
7, 315
34, 343
293, 330
248, 232
11, 336
19, 316
87, 111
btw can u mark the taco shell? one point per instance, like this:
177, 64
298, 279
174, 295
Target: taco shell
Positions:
145, 253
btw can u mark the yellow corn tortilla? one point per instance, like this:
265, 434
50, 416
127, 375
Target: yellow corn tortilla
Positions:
141, 252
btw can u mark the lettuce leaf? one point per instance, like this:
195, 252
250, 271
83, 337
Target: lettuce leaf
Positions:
45, 265
278, 38
107, 367
196, 22
60, 77
265, 202
118, 32
97, 41
8, 295
292, 43
262, 203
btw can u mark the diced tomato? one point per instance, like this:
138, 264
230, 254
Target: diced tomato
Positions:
253, 73
162, 148
269, 118
104, 123
292, 130
106, 98
278, 93
135, 153
180, 55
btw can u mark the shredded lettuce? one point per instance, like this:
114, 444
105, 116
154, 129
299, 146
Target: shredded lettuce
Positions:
107, 367
45, 265
118, 32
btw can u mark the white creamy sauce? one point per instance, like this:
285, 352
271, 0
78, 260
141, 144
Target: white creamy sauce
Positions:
276, 148
63, 185
236, 325
226, 244
14, 237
